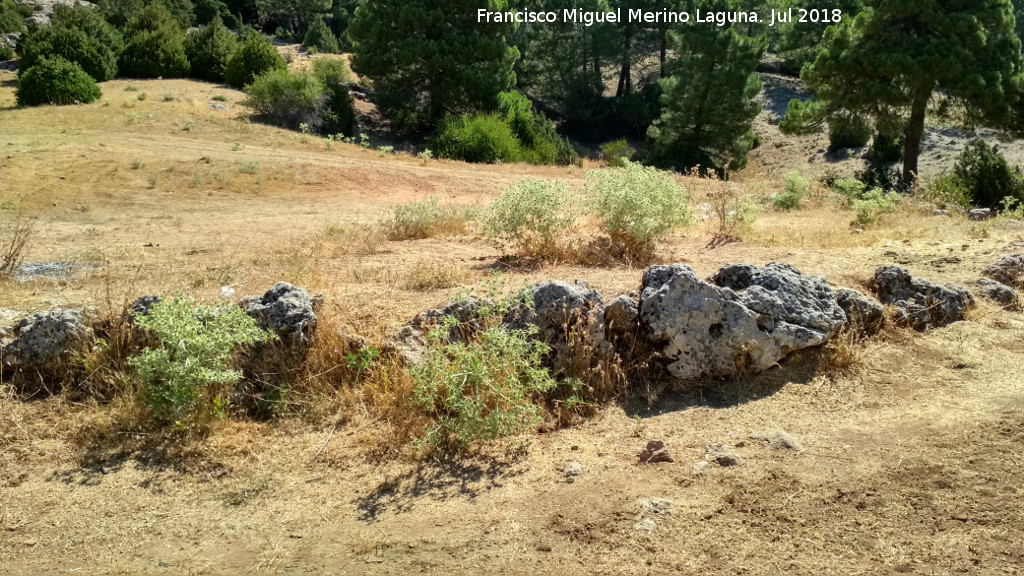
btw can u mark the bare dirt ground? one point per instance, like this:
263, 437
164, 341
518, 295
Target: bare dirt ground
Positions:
909, 463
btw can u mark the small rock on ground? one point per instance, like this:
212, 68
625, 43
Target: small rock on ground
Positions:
573, 469
656, 451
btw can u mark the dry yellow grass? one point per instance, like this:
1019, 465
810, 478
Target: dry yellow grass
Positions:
911, 454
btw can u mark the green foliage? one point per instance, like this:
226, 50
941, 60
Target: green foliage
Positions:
617, 153
56, 81
803, 117
188, 373
320, 38
12, 17
427, 59
6, 53
156, 45
416, 220
849, 189
873, 204
72, 44
253, 57
890, 59
794, 190
708, 104
206, 11
538, 139
288, 99
291, 16
847, 131
887, 147
484, 138
987, 176
339, 115
208, 50
530, 215
946, 190
480, 390
638, 205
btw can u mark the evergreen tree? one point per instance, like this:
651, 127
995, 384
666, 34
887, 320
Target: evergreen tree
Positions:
889, 62
320, 38
156, 45
708, 103
209, 49
428, 58
294, 15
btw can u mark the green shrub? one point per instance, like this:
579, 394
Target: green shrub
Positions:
71, 44
189, 373
6, 53
802, 117
484, 138
886, 148
530, 216
253, 57
208, 50
849, 190
339, 115
617, 153
538, 139
847, 131
56, 81
638, 205
987, 176
320, 38
793, 192
206, 11
416, 220
156, 45
873, 204
482, 390
12, 17
89, 21
288, 100
946, 190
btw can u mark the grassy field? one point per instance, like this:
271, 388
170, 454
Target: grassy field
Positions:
911, 445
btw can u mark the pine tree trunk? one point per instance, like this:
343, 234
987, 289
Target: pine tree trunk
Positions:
664, 50
915, 131
625, 82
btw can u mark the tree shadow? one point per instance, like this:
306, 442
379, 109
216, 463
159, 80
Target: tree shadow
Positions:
440, 480
801, 367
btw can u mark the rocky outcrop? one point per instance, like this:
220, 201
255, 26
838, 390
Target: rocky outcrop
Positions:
919, 303
864, 313
999, 293
45, 341
1009, 270
284, 310
744, 321
568, 318
981, 214
410, 341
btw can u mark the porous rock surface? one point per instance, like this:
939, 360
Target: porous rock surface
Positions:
864, 313
410, 341
999, 293
744, 320
921, 304
1009, 270
284, 310
42, 340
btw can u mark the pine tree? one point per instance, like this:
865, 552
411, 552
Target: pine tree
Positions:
320, 38
209, 49
890, 61
428, 58
708, 103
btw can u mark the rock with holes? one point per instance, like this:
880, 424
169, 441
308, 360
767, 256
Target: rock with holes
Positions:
999, 293
1009, 270
981, 214
744, 321
568, 318
410, 341
864, 313
47, 340
286, 311
919, 303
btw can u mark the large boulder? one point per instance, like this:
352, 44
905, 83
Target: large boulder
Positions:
410, 341
1009, 270
753, 319
45, 341
864, 313
569, 319
284, 310
919, 303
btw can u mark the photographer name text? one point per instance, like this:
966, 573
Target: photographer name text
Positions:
589, 18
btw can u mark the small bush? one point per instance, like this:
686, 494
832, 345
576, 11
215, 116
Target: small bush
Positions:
733, 211
288, 100
189, 374
206, 11
482, 390
208, 50
538, 139
803, 117
319, 38
71, 44
987, 176
530, 216
483, 138
56, 81
873, 204
428, 218
12, 17
887, 145
6, 54
339, 115
847, 131
848, 190
945, 191
793, 192
617, 153
253, 57
639, 205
